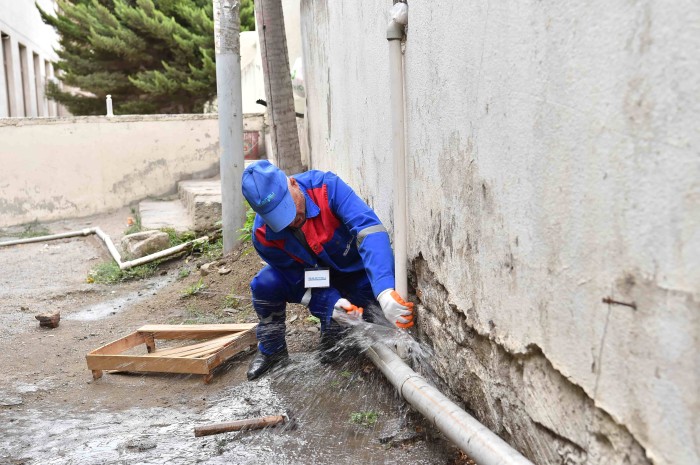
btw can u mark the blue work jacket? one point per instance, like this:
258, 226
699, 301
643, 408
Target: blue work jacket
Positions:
342, 230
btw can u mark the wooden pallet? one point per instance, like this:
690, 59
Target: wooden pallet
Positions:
220, 342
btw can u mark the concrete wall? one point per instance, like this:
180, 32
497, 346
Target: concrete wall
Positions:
553, 161
72, 167
27, 58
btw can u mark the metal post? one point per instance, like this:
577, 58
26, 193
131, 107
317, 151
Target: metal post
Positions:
227, 26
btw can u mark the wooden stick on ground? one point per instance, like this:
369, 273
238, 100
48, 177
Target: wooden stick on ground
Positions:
239, 425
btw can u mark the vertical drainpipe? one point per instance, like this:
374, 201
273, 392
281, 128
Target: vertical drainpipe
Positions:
395, 34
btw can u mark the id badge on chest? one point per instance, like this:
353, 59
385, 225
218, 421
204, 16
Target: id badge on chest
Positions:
317, 277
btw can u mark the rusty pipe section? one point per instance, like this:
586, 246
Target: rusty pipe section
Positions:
477, 441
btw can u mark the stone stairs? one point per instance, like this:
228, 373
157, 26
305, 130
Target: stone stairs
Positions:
197, 208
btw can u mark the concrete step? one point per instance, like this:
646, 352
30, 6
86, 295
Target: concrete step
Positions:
202, 200
165, 214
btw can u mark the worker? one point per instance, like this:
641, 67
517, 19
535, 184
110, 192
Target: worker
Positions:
324, 248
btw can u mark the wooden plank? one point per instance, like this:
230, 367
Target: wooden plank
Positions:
121, 345
187, 351
193, 331
147, 363
230, 350
176, 350
221, 342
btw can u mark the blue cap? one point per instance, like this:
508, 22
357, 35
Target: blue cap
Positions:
266, 190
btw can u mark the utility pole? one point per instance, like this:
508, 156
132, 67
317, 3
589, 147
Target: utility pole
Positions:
227, 28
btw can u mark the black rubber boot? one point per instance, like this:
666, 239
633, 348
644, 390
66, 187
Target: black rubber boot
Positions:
261, 363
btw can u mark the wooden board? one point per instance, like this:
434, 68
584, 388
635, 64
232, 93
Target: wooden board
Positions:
218, 344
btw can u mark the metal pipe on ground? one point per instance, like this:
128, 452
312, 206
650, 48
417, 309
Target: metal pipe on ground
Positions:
477, 441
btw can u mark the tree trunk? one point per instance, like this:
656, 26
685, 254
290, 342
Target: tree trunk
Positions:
278, 85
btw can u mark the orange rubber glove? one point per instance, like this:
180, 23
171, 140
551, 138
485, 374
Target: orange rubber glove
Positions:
344, 311
396, 310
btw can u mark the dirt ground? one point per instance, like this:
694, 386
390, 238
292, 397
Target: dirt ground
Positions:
53, 412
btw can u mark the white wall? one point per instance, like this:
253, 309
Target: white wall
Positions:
72, 167
553, 162
20, 23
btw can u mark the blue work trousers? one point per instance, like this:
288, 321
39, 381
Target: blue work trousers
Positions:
271, 292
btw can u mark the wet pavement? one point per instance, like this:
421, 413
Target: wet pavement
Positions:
321, 399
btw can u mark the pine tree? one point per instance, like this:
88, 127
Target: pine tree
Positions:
152, 56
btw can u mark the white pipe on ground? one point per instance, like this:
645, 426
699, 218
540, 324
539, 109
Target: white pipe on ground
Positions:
110, 246
50, 237
163, 253
477, 441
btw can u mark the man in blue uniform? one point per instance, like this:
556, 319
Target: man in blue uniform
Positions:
324, 247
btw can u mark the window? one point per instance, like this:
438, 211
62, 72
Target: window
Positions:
9, 77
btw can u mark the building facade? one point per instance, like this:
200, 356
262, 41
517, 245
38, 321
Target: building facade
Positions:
27, 55
553, 206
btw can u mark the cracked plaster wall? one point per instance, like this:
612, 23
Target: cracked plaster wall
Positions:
553, 162
71, 167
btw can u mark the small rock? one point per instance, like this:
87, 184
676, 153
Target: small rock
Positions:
224, 270
9, 401
48, 319
204, 269
140, 444
144, 243
293, 319
312, 329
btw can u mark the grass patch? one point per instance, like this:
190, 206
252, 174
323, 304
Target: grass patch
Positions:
346, 374
367, 419
194, 288
210, 250
183, 273
110, 273
231, 301
313, 319
34, 229
177, 238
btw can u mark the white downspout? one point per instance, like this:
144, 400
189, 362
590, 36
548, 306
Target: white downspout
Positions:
395, 34
481, 444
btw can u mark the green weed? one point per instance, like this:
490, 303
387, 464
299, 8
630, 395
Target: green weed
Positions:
313, 319
194, 289
183, 273
110, 273
177, 237
246, 232
231, 301
367, 419
210, 250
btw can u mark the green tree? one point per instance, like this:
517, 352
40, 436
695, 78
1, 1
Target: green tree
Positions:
152, 56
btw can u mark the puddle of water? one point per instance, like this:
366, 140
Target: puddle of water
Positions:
118, 304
